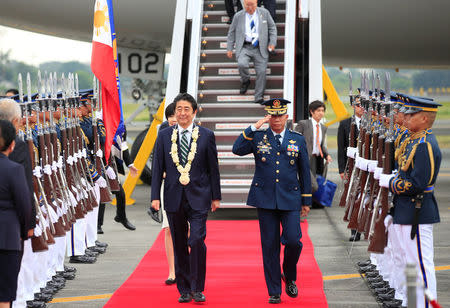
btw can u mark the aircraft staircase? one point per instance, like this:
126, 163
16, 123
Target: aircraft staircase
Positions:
222, 109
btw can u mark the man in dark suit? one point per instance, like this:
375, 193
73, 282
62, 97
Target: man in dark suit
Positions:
253, 34
315, 134
229, 6
281, 187
343, 141
187, 154
10, 111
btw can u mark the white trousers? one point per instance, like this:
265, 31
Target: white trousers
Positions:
76, 238
24, 281
420, 251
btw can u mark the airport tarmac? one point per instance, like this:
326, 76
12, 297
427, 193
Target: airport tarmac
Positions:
336, 257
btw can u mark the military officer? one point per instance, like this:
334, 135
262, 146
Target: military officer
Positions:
280, 189
416, 209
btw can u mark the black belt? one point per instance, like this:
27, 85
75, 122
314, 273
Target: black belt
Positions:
247, 43
418, 205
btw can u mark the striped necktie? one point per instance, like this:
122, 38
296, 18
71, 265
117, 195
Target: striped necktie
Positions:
254, 33
184, 147
318, 139
278, 137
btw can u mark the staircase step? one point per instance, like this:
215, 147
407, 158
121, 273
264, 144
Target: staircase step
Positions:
228, 205
220, 16
220, 55
231, 69
218, 29
220, 5
234, 82
232, 99
220, 42
231, 109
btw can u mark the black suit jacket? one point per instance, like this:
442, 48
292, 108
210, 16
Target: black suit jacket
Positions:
15, 205
21, 155
343, 141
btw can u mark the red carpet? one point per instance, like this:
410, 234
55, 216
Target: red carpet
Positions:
234, 274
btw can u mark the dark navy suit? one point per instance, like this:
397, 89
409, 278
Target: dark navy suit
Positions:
281, 186
188, 203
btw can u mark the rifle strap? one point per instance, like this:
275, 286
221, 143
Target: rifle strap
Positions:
418, 206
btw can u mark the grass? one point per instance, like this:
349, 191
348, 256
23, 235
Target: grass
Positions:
129, 108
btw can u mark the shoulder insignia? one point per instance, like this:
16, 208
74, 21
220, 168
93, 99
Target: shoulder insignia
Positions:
294, 132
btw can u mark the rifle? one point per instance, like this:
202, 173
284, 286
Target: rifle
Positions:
38, 241
377, 233
49, 192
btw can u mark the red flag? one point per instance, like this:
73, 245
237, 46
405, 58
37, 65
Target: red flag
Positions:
104, 67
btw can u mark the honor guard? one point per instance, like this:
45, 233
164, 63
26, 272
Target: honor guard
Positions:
280, 189
416, 210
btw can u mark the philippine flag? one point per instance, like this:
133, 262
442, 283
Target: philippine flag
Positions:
104, 65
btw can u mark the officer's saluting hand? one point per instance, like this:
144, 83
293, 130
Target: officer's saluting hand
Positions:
280, 189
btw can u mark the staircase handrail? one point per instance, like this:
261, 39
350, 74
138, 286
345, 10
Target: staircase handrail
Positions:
289, 55
195, 12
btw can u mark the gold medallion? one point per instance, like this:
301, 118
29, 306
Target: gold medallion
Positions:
263, 159
292, 162
184, 179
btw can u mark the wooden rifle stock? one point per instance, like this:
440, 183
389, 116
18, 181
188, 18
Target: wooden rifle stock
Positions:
38, 243
105, 194
366, 207
375, 188
58, 228
353, 222
113, 183
379, 239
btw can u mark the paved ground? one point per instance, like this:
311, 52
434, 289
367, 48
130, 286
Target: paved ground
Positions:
328, 233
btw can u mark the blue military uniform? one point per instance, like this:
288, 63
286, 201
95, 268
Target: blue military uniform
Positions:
281, 186
416, 209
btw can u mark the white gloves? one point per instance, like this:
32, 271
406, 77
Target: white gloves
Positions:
352, 152
101, 182
385, 179
110, 173
99, 153
388, 220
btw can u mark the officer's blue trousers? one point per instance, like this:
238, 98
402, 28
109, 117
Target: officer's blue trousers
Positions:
269, 225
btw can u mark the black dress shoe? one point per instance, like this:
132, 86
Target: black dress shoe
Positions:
229, 21
386, 297
355, 238
101, 244
90, 253
259, 101
100, 230
383, 290
82, 259
372, 274
375, 279
244, 87
49, 290
369, 268
55, 285
382, 284
199, 297
36, 304
395, 303
97, 249
185, 298
43, 297
125, 223
66, 275
364, 263
274, 299
291, 287
70, 269
171, 281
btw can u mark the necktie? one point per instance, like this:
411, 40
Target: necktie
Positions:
278, 137
184, 147
254, 34
318, 139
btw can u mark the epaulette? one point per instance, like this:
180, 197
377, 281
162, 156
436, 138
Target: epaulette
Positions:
293, 131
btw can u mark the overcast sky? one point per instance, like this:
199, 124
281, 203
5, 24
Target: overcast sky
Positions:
24, 47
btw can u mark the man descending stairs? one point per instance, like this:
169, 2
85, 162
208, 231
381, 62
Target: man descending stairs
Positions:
222, 108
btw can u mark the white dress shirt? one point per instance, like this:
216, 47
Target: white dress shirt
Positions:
188, 134
281, 134
315, 149
248, 30
357, 121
